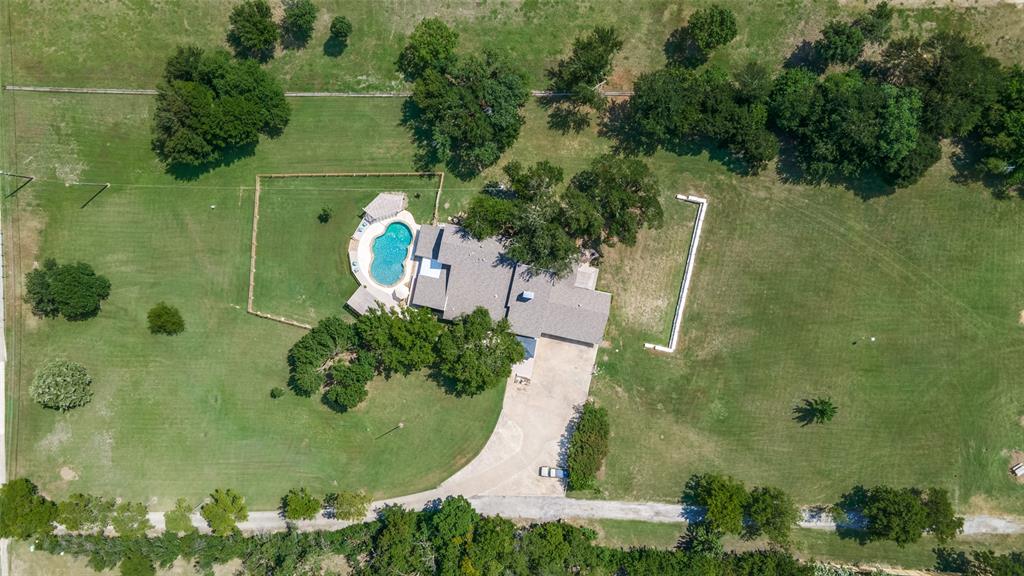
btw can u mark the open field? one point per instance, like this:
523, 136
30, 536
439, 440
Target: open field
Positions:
180, 416
302, 267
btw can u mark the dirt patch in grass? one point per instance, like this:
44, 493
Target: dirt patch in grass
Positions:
1020, 318
60, 434
68, 474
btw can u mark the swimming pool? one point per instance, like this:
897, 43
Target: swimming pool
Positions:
390, 250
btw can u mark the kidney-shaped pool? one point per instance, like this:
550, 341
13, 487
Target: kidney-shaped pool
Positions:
390, 251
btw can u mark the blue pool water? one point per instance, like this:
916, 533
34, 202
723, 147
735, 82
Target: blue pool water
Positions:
389, 252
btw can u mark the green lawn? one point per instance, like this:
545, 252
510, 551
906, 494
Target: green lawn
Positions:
302, 269
180, 416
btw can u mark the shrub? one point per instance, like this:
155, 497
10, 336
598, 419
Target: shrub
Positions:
341, 29
253, 33
300, 505
84, 513
298, 21
712, 27
61, 385
588, 446
165, 319
23, 512
130, 519
325, 215
276, 392
74, 291
224, 510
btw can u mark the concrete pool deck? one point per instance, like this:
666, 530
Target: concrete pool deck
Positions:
360, 256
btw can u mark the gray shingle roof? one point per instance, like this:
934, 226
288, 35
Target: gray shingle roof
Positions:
431, 292
476, 273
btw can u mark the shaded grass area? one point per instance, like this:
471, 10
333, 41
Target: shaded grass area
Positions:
180, 416
25, 562
302, 265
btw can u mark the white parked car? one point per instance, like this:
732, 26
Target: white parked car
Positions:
549, 472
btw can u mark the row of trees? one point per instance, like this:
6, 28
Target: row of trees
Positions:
545, 226
469, 355
448, 538
254, 34
881, 117
901, 515
465, 110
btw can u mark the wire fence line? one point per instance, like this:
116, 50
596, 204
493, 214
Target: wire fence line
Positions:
327, 94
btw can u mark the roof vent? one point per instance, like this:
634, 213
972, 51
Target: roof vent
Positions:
526, 296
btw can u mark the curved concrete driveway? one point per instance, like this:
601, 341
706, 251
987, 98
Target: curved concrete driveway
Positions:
530, 433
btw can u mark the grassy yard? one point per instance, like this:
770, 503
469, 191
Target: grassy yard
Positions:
180, 416
302, 270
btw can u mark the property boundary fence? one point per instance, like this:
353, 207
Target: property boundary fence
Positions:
684, 288
250, 306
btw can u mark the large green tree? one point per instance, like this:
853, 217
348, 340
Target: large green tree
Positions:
772, 513
467, 113
24, 513
840, 43
73, 291
253, 33
398, 341
1002, 132
624, 192
723, 498
224, 510
84, 513
575, 79
431, 46
297, 22
476, 353
209, 106
299, 504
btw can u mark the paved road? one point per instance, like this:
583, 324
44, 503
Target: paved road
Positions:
550, 508
152, 92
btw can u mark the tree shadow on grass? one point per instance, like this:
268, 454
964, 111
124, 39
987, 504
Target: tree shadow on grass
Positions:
334, 47
681, 50
850, 522
191, 173
806, 56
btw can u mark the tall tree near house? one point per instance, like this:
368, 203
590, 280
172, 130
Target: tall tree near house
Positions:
477, 353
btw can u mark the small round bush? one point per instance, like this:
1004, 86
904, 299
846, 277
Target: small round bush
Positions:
276, 392
61, 385
341, 28
165, 319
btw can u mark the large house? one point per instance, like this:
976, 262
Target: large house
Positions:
457, 274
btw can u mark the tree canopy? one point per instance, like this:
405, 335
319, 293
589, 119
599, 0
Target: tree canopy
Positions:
712, 27
841, 43
165, 319
625, 194
1002, 132
902, 515
224, 510
299, 504
588, 446
297, 22
23, 512
61, 385
431, 46
398, 341
576, 79
476, 353
723, 497
253, 33
73, 291
209, 106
